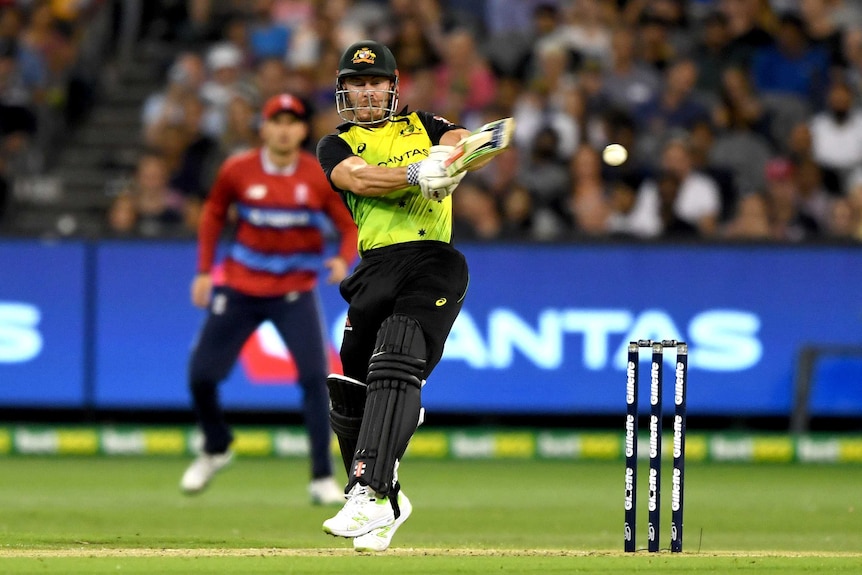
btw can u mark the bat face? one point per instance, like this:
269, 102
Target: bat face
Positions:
485, 143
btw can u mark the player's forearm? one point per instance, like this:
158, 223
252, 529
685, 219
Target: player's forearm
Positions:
452, 137
368, 180
209, 231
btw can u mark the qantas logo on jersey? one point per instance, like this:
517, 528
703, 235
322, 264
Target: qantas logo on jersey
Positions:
398, 160
256, 192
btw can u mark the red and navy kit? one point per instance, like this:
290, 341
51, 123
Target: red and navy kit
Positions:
269, 274
281, 218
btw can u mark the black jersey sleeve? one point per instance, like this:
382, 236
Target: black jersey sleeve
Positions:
436, 126
331, 151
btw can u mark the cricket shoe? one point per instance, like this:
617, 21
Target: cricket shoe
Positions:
325, 491
380, 538
363, 511
201, 471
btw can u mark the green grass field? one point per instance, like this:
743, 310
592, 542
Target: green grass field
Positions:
126, 515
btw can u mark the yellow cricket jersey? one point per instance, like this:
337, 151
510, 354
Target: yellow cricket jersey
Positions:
403, 215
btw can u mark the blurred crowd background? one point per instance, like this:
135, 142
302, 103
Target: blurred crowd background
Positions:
742, 118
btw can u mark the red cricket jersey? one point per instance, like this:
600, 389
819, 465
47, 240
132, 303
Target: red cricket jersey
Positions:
281, 215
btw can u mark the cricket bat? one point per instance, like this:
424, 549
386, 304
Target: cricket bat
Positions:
480, 146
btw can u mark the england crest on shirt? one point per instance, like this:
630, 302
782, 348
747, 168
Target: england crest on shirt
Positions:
255, 192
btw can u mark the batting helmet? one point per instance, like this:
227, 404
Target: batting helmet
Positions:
366, 58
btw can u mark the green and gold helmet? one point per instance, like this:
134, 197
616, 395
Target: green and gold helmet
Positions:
366, 58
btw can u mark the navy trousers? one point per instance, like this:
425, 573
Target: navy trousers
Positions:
231, 319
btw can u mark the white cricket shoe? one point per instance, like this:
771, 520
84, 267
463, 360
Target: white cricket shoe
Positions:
380, 538
325, 491
362, 512
202, 470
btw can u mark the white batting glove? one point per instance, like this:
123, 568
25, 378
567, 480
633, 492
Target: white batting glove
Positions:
437, 188
439, 152
432, 178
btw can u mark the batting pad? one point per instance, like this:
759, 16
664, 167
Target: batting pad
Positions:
347, 404
393, 403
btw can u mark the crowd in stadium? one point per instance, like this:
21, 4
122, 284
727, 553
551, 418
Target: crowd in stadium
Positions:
741, 118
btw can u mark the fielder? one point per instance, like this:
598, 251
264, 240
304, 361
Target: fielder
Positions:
406, 291
282, 201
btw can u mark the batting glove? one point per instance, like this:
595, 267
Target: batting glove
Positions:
431, 176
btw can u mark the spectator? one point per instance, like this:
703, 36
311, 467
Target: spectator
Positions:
224, 63
30, 67
823, 29
593, 106
673, 226
852, 56
586, 33
654, 47
553, 74
675, 108
185, 172
715, 156
791, 66
515, 54
814, 199
417, 59
787, 222
517, 214
621, 129
750, 220
148, 207
16, 99
622, 220
843, 223
542, 104
195, 159
741, 142
19, 125
836, 133
511, 16
544, 175
628, 83
464, 82
184, 78
270, 79
475, 213
750, 22
674, 15
740, 106
236, 33
267, 37
697, 201
586, 200
800, 149
413, 50
241, 131
712, 55
799, 146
